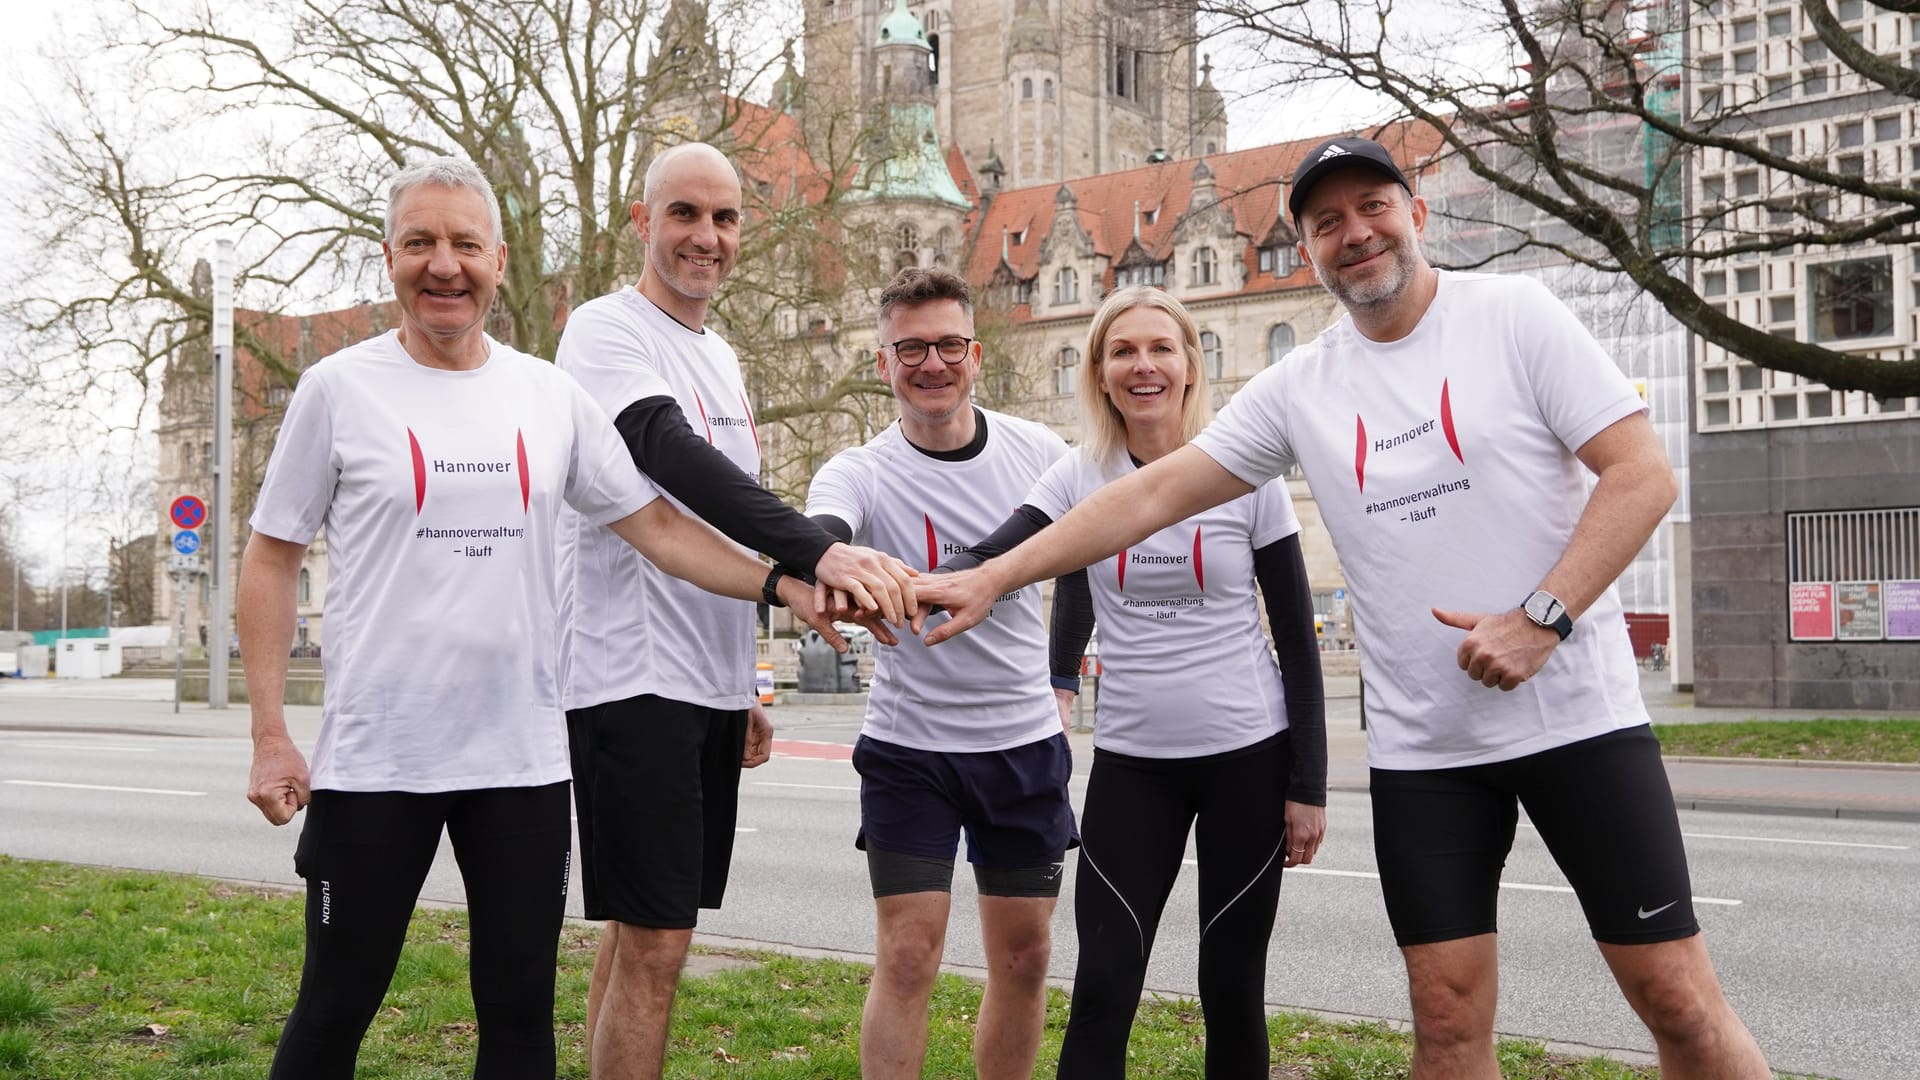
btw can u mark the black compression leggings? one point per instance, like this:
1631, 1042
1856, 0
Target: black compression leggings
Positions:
1133, 833
364, 856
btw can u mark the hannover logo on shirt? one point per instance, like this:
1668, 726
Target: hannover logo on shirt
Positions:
1402, 438
714, 420
1126, 556
423, 468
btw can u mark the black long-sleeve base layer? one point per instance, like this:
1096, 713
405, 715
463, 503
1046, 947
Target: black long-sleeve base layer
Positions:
689, 468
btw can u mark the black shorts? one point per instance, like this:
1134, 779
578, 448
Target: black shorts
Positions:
657, 785
1012, 803
1602, 806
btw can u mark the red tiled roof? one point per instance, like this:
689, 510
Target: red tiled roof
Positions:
1247, 182
962, 173
769, 147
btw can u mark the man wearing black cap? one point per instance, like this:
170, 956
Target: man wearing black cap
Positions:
1442, 425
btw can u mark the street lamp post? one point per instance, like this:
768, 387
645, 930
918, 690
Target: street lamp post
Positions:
219, 618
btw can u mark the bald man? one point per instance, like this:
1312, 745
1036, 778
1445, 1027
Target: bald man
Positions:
662, 712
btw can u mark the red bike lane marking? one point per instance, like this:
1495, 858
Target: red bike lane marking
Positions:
819, 751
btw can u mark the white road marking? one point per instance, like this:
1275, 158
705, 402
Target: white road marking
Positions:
816, 787
104, 787
575, 818
77, 746
1519, 886
1779, 840
1790, 840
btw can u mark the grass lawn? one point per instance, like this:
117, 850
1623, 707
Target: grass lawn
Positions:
155, 977
1809, 740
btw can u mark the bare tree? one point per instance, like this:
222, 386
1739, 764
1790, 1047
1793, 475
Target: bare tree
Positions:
1521, 93
279, 129
307, 109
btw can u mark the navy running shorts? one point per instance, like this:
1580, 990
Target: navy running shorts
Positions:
1012, 804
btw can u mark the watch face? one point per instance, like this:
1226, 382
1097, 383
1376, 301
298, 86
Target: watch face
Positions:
1543, 608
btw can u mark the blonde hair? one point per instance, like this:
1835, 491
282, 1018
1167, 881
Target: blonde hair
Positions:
1102, 429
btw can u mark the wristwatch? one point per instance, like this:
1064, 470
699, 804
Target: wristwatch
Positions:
1545, 609
769, 591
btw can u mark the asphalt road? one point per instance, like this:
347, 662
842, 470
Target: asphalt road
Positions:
1814, 924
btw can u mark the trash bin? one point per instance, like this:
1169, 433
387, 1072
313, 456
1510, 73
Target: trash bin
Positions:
824, 671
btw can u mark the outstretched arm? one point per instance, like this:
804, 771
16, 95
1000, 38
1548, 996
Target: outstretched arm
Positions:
1120, 514
708, 483
691, 551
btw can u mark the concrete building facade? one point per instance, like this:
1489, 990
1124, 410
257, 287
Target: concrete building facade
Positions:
1806, 500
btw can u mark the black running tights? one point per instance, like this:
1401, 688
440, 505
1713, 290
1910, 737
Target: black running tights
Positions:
1133, 834
364, 856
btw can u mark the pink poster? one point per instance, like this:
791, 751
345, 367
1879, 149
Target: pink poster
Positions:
1810, 605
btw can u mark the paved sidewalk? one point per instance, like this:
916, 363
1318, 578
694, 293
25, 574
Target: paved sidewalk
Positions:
144, 707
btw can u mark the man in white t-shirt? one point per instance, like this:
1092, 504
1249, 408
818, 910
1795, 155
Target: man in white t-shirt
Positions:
662, 713
438, 460
1442, 426
957, 739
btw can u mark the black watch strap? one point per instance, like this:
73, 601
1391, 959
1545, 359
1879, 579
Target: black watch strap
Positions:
769, 591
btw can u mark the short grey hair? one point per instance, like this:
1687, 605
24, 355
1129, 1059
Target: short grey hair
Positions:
664, 157
448, 172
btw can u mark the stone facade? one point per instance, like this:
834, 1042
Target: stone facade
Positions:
1744, 486
1054, 89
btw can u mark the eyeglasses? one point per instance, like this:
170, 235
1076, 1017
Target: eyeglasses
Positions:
913, 352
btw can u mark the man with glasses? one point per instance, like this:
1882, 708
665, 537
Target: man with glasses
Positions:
968, 739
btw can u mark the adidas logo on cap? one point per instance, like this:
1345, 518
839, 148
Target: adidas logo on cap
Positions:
1334, 152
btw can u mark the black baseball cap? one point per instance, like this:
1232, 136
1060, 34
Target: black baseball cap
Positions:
1340, 153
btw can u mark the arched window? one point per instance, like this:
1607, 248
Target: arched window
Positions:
1046, 90
1066, 286
1203, 266
1279, 343
1210, 352
1026, 89
306, 586
1065, 367
906, 248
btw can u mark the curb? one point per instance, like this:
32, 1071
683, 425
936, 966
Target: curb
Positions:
1734, 806
1852, 813
1796, 763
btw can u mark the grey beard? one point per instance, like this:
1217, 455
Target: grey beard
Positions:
1378, 292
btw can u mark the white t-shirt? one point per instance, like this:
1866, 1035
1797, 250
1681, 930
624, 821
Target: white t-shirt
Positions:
1444, 467
440, 492
632, 628
1185, 670
988, 688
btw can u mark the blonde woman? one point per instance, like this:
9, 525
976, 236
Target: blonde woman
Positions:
1197, 726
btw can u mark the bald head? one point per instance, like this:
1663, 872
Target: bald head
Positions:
689, 219
685, 160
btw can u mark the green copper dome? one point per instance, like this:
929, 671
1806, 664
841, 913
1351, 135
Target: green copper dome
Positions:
901, 28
